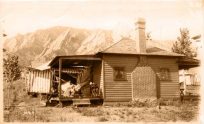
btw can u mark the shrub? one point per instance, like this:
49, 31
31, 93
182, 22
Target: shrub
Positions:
102, 119
90, 111
186, 115
144, 103
129, 112
169, 102
154, 111
63, 119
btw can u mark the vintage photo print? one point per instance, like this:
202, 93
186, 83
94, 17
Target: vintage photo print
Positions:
136, 61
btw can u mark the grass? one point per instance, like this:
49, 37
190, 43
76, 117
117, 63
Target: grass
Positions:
102, 119
138, 110
90, 111
116, 114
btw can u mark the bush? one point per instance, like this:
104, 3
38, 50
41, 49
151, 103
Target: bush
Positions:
186, 115
90, 111
169, 102
102, 119
143, 103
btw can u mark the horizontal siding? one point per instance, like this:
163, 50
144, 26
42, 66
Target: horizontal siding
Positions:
118, 90
122, 90
167, 88
116, 87
118, 94
117, 99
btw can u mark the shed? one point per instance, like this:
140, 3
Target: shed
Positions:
38, 80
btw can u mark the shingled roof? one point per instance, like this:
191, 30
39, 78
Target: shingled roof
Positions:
128, 46
125, 45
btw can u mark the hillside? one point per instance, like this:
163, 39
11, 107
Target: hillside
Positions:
43, 45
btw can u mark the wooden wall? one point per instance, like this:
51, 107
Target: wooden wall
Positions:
97, 75
123, 90
39, 81
169, 88
118, 90
102, 79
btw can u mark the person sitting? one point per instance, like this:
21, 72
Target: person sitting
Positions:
94, 89
72, 91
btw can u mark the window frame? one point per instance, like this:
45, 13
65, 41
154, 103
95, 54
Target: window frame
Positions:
164, 74
124, 74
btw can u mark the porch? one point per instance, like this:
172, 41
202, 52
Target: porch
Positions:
73, 79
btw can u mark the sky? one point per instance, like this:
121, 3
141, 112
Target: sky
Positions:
163, 19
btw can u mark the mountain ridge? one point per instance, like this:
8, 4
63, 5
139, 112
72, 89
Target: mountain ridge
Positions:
43, 45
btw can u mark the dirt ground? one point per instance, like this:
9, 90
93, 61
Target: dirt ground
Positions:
29, 109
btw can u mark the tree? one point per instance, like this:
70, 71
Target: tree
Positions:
11, 68
11, 72
183, 44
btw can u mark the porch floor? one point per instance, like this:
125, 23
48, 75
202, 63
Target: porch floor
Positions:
79, 101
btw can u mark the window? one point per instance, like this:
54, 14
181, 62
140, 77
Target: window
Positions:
164, 74
119, 74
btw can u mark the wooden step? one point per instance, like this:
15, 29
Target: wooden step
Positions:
81, 102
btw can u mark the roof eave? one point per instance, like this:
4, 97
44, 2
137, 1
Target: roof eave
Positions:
148, 54
68, 56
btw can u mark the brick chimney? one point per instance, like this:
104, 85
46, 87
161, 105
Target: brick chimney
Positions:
140, 36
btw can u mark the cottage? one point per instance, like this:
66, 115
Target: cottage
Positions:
127, 70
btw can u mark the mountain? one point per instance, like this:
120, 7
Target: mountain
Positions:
40, 46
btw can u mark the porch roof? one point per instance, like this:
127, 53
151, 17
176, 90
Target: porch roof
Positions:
74, 60
44, 66
185, 63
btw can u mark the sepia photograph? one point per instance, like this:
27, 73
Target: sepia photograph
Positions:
102, 61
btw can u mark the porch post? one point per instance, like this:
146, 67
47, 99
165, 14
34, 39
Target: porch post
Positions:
59, 86
184, 83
